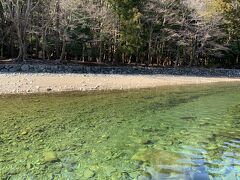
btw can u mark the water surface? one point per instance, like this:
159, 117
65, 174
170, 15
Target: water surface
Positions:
183, 132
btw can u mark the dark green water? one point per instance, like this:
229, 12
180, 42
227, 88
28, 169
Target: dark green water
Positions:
189, 132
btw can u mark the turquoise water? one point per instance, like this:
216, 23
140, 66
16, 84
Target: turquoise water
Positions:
182, 132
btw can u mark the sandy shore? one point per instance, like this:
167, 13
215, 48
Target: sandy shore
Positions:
38, 83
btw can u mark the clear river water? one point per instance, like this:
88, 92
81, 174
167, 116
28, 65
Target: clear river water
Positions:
177, 132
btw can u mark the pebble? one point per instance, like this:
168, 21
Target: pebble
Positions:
29, 166
49, 89
24, 132
145, 176
50, 156
89, 174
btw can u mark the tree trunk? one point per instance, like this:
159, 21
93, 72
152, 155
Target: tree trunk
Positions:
2, 20
177, 57
150, 45
21, 45
238, 45
100, 50
57, 44
63, 50
44, 45
193, 55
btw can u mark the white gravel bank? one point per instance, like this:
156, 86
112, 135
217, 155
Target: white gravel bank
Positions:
16, 83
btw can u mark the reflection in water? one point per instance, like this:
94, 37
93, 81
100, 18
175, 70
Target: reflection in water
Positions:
216, 158
193, 163
190, 133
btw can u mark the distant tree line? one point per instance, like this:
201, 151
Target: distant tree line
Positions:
147, 32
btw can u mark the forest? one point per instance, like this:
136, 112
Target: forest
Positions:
122, 32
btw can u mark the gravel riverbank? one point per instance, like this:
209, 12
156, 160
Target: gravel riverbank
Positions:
22, 83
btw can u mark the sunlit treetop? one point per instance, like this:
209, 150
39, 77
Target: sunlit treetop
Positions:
209, 8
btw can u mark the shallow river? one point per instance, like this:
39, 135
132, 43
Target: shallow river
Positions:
183, 132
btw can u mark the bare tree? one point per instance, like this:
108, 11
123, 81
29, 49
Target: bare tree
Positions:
19, 13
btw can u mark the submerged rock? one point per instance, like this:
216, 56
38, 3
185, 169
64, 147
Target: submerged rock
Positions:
50, 156
156, 157
1, 141
89, 174
120, 175
24, 132
148, 142
188, 118
145, 176
29, 165
70, 164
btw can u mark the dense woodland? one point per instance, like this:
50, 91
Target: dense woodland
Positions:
145, 32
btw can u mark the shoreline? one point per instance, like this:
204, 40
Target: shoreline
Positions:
35, 83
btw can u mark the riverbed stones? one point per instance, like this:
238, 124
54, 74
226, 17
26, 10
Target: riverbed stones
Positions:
156, 157
89, 174
24, 132
29, 165
50, 156
120, 175
144, 176
1, 142
148, 142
